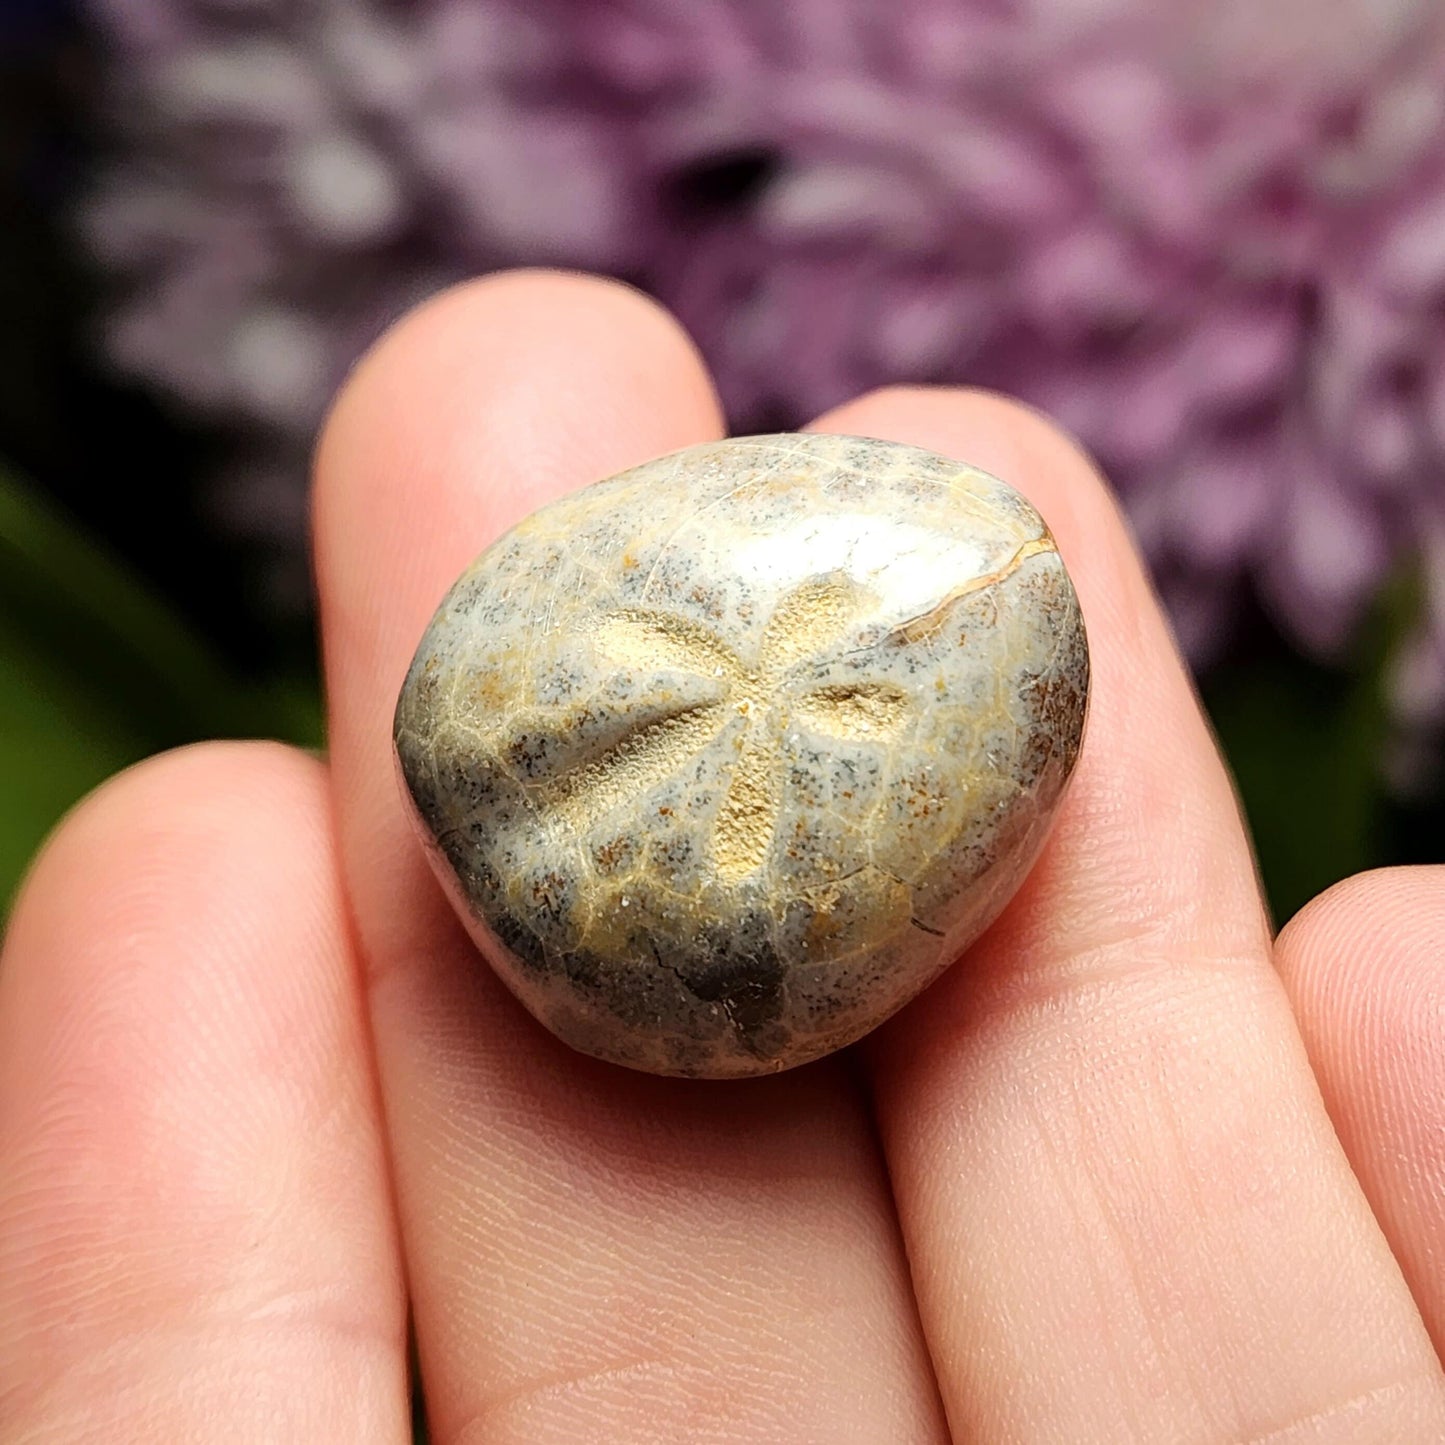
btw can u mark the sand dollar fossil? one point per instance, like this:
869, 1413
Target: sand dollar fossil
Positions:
724, 759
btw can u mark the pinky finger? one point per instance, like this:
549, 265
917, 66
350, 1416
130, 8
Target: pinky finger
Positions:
195, 1235
1365, 967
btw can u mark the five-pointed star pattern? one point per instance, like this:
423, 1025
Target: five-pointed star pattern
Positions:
766, 694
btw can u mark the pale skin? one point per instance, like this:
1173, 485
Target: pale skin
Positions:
1133, 1171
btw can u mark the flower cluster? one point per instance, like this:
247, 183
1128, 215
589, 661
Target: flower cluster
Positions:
1208, 237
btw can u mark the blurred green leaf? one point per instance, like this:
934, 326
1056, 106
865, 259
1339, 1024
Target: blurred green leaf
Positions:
96, 673
1305, 743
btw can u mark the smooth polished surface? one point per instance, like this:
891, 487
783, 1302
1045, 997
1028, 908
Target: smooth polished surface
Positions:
724, 759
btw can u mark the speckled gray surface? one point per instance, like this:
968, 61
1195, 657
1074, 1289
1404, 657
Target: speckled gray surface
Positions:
724, 759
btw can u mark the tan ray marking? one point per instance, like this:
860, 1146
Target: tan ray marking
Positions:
813, 613
631, 766
649, 641
864, 712
745, 822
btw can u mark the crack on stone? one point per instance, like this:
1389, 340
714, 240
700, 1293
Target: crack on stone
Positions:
927, 624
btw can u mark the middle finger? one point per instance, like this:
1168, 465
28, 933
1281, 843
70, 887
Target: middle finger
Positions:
593, 1254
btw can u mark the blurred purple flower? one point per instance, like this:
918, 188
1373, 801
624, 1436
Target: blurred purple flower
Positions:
1208, 237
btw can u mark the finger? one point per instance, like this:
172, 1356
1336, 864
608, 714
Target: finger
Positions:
594, 1255
194, 1217
1127, 1214
1365, 966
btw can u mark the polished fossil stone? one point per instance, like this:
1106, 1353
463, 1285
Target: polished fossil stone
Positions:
726, 758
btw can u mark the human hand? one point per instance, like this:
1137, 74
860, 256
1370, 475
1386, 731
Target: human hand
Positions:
257, 1092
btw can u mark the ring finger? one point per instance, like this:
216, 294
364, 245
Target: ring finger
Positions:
1128, 1215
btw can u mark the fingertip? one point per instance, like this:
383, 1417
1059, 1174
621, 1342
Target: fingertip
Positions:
488, 401
499, 333
1364, 966
215, 857
252, 790
1023, 447
1000, 434
191, 1175
1365, 971
1380, 905
252, 783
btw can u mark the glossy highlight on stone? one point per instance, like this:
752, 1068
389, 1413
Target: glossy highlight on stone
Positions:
726, 758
